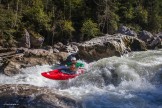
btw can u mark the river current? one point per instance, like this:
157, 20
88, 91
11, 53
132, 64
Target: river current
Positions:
131, 81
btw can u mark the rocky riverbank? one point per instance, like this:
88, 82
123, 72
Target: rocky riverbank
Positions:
126, 40
11, 63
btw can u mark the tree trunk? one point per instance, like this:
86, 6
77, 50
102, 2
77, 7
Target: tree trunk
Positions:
16, 14
8, 6
46, 5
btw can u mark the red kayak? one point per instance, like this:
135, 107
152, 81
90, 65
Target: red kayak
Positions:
59, 74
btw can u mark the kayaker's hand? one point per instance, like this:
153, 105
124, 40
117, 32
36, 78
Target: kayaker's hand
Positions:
82, 68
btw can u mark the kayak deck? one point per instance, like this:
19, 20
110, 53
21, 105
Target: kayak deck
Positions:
58, 74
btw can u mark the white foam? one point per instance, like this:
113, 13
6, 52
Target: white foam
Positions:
131, 87
31, 75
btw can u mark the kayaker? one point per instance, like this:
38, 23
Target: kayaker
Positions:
74, 65
73, 68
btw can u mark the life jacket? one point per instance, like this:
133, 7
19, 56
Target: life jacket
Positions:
77, 65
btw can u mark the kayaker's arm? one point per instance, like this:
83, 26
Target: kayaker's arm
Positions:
80, 65
68, 64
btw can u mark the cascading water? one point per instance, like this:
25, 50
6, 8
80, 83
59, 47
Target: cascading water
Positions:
131, 81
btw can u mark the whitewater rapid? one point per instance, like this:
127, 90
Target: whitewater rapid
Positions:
130, 81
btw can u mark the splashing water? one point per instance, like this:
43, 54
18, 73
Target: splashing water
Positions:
131, 81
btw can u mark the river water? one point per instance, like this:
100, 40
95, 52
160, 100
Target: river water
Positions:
130, 81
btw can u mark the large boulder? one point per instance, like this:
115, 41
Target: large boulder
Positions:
154, 42
28, 96
31, 39
145, 35
109, 45
36, 40
30, 57
12, 68
100, 47
126, 31
159, 35
25, 39
134, 44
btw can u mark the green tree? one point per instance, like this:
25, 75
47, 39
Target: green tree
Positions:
7, 26
67, 29
154, 18
89, 29
106, 16
66, 20
35, 18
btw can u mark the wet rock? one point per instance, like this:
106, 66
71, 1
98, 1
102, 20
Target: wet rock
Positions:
12, 68
127, 31
28, 96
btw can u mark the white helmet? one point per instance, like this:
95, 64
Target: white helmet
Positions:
73, 58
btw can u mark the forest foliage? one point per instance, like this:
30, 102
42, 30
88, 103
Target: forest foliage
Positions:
76, 20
